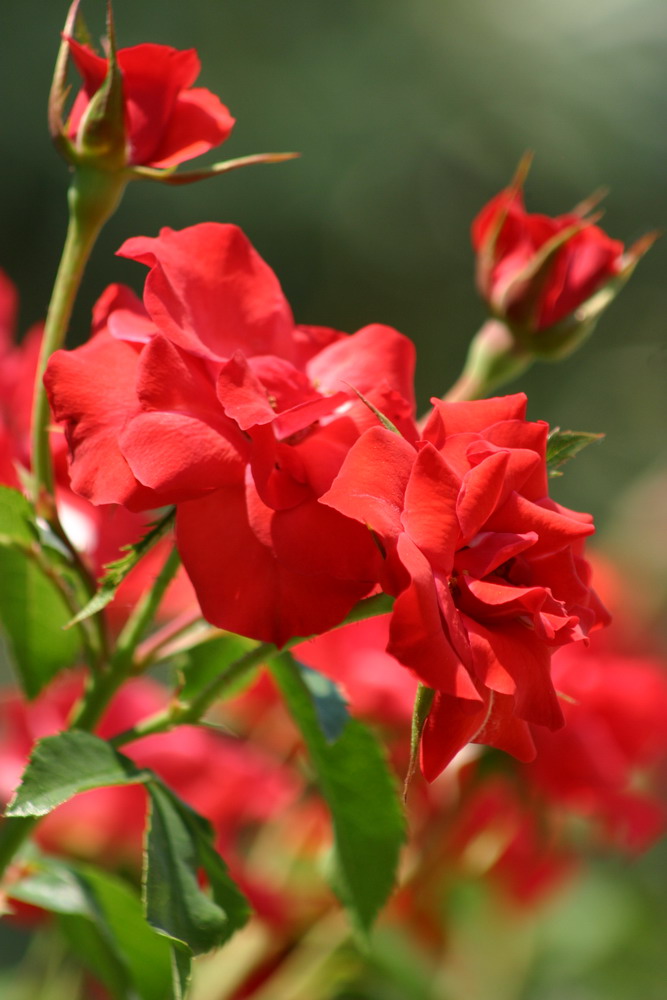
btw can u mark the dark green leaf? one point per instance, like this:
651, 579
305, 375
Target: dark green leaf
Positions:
118, 570
361, 793
179, 845
328, 701
564, 445
206, 661
63, 765
103, 920
33, 614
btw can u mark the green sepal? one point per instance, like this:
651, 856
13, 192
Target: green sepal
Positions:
423, 701
564, 445
171, 175
101, 135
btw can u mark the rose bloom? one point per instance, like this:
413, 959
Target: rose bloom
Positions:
209, 396
488, 570
167, 120
534, 271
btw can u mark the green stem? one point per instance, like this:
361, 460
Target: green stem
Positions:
181, 633
189, 713
494, 357
93, 197
103, 686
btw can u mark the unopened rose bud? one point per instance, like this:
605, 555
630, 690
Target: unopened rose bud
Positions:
547, 279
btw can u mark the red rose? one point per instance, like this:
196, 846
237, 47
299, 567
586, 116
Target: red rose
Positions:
167, 120
534, 271
209, 396
488, 569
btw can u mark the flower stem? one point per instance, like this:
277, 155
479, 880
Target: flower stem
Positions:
182, 713
92, 197
188, 713
494, 357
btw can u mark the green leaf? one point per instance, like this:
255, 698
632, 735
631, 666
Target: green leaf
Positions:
17, 518
181, 971
179, 845
354, 777
564, 445
33, 614
328, 701
64, 765
206, 661
102, 918
118, 570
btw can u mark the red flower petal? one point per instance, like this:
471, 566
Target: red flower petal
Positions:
210, 292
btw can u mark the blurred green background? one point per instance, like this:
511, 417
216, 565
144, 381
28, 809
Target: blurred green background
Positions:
410, 115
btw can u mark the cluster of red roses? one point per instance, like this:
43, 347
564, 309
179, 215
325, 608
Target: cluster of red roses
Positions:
303, 483
293, 501
301, 478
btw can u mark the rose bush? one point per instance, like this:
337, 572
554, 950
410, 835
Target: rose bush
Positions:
209, 396
488, 570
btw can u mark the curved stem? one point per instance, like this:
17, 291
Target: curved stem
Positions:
494, 357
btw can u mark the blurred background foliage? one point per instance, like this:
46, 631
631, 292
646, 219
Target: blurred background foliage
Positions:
409, 117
